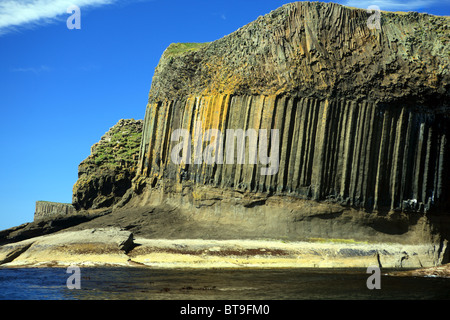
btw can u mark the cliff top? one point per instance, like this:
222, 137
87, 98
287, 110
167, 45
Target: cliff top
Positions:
177, 49
317, 50
52, 202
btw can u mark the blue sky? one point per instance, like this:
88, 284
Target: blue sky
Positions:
61, 89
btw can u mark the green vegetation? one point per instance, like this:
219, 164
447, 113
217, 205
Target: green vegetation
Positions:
122, 147
177, 49
118, 148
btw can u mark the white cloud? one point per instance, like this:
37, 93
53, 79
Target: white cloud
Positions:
16, 13
391, 5
35, 70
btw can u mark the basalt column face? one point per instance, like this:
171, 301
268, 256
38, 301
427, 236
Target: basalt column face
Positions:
358, 154
341, 112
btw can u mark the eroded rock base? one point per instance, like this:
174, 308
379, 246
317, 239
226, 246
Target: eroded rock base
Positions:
116, 247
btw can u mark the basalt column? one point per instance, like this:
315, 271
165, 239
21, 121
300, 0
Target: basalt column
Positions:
360, 154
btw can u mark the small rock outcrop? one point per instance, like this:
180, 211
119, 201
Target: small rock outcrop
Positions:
92, 246
48, 210
106, 175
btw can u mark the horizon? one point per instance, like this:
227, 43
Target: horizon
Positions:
62, 90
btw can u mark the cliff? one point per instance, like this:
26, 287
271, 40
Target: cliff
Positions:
355, 118
362, 114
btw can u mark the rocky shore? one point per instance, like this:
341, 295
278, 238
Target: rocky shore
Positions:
167, 237
123, 238
117, 247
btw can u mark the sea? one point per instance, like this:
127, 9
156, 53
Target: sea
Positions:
105, 283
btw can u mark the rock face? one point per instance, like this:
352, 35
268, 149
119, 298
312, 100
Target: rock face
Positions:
49, 210
318, 50
106, 175
358, 154
353, 116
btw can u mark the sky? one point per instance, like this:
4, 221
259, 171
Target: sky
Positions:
61, 89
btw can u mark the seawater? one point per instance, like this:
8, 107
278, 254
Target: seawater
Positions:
218, 284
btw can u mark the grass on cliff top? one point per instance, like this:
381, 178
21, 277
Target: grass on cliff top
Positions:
121, 147
176, 49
